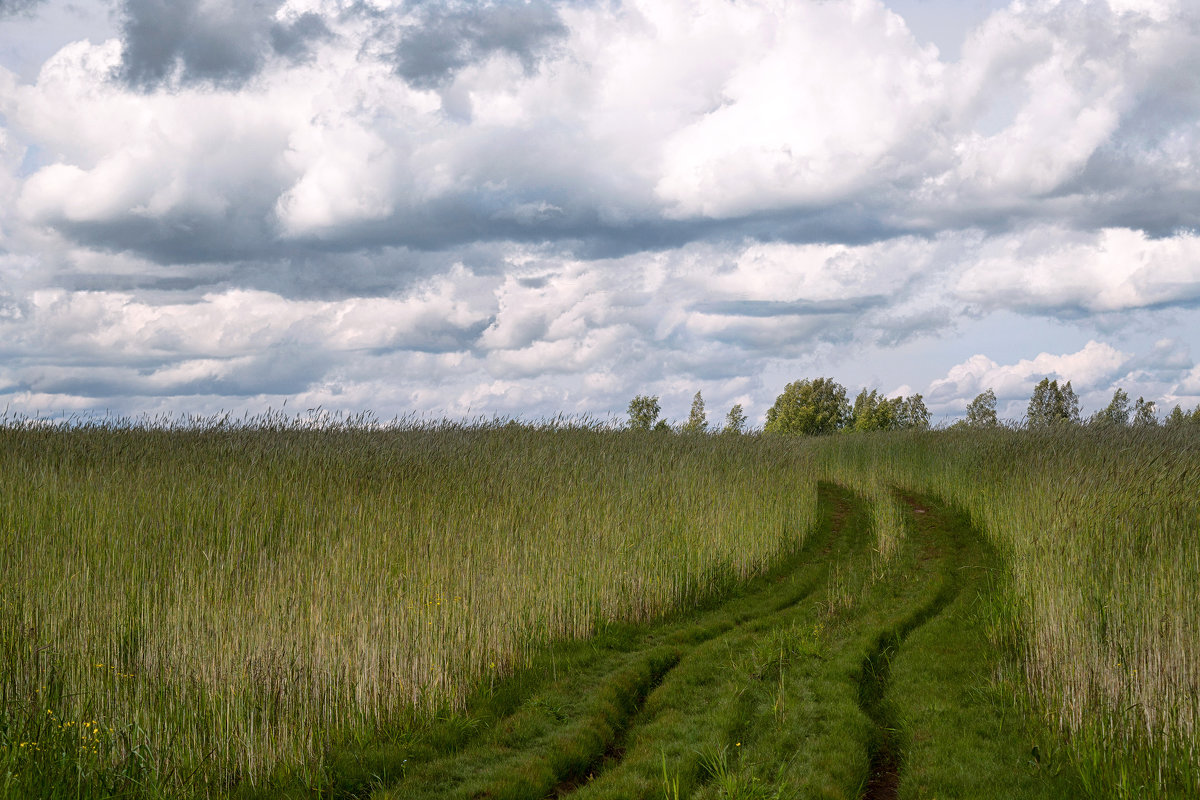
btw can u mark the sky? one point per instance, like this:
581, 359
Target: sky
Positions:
523, 208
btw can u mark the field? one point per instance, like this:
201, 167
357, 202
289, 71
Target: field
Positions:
286, 607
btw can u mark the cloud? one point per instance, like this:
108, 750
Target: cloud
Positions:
520, 318
554, 205
1188, 387
777, 133
12, 8
270, 130
295, 38
1164, 362
1066, 273
439, 39
216, 42
1091, 371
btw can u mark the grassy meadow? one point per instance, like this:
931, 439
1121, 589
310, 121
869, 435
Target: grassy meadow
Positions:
218, 608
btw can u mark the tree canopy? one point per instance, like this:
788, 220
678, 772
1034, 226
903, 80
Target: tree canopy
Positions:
697, 422
735, 420
913, 413
1143, 413
1052, 404
873, 412
981, 413
1179, 417
818, 406
1116, 412
810, 407
1176, 418
643, 412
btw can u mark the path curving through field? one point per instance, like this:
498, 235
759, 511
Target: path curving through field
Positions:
833, 676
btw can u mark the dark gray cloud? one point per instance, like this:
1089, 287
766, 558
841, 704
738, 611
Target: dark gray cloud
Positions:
1134, 179
182, 237
295, 39
794, 308
298, 275
284, 369
11, 8
448, 37
248, 233
184, 40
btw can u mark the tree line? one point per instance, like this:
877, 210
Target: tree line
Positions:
1053, 404
819, 406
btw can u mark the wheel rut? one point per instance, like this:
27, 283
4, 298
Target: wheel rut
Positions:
699, 642
686, 690
886, 757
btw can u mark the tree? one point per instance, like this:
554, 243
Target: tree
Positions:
1143, 413
810, 407
662, 426
735, 420
1176, 418
1070, 404
643, 411
697, 422
1179, 417
1052, 405
913, 413
874, 413
1116, 412
981, 413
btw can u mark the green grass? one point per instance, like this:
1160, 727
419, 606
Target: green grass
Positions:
236, 599
1096, 531
768, 693
960, 730
322, 609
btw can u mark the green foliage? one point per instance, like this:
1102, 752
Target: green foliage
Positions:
643, 412
697, 422
809, 407
1143, 413
735, 420
1052, 405
981, 413
913, 413
873, 412
1116, 412
1177, 418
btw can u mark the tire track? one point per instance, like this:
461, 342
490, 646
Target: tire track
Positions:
886, 762
821, 544
590, 745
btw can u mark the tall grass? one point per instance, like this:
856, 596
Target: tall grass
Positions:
1101, 532
209, 601
224, 598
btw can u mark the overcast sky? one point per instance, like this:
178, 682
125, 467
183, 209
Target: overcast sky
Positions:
524, 208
